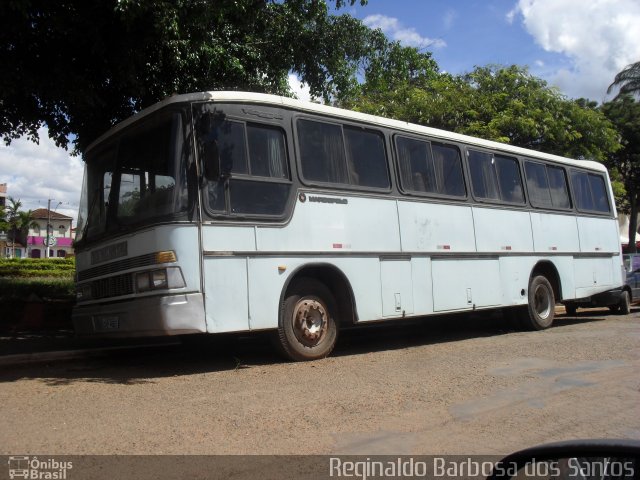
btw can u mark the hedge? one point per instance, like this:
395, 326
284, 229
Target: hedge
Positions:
37, 267
40, 288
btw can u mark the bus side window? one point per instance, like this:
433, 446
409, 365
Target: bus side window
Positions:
558, 187
483, 176
448, 169
538, 184
590, 192
322, 152
599, 193
509, 179
366, 158
416, 165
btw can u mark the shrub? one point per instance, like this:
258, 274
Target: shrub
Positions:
37, 267
43, 288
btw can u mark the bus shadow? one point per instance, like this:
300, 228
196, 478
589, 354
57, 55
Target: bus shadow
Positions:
235, 353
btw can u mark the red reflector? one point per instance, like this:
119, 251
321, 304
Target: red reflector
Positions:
337, 245
444, 247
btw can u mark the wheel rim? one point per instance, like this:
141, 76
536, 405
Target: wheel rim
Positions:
542, 302
310, 322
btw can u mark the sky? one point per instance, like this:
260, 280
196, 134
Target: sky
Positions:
576, 45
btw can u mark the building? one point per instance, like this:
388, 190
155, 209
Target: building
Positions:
60, 235
3, 194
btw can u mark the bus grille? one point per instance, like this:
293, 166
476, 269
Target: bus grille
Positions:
112, 286
114, 267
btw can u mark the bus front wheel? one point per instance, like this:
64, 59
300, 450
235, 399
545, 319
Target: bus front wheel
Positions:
307, 328
542, 302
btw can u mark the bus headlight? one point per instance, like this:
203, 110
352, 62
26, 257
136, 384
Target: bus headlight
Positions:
83, 292
161, 279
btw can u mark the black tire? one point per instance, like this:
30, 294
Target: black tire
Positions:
624, 306
571, 309
307, 327
541, 308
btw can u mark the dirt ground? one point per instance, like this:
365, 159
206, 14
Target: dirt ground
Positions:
455, 385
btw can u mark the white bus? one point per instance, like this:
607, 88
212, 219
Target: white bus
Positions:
232, 212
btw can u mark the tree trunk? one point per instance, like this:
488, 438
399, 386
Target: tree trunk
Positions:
633, 222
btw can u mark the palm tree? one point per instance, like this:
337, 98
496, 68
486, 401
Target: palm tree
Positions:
628, 80
25, 222
12, 220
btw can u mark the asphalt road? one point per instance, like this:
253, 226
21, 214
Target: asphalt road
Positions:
455, 385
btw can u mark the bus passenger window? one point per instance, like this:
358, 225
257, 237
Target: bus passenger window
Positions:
416, 165
448, 169
582, 191
599, 193
366, 158
322, 152
267, 155
509, 179
558, 187
483, 175
537, 184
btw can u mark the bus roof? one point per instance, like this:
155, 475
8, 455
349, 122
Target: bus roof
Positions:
311, 107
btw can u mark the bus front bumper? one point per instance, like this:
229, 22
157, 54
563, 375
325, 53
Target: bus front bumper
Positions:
142, 317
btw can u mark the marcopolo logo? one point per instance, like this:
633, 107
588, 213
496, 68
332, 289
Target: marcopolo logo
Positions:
41, 469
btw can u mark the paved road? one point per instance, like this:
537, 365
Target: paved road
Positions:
453, 385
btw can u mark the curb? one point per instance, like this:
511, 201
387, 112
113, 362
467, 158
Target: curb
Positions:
65, 355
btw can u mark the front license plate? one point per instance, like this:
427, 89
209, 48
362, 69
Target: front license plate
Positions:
108, 323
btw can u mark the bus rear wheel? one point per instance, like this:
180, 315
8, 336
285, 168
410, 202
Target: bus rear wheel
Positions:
542, 302
307, 329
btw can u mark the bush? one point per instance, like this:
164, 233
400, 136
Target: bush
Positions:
37, 267
42, 288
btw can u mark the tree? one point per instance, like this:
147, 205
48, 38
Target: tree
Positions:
13, 222
505, 104
628, 80
4, 225
80, 67
624, 112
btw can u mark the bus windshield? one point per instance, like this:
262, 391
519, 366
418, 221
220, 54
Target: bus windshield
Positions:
139, 177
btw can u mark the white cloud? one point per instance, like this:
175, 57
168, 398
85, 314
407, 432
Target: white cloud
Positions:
408, 36
300, 90
449, 18
600, 38
35, 173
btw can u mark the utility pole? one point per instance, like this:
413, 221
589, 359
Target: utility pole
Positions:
48, 239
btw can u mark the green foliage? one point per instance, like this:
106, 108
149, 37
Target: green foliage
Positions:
624, 164
505, 104
79, 67
628, 80
42, 288
36, 267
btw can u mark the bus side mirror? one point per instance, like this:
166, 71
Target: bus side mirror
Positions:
211, 160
